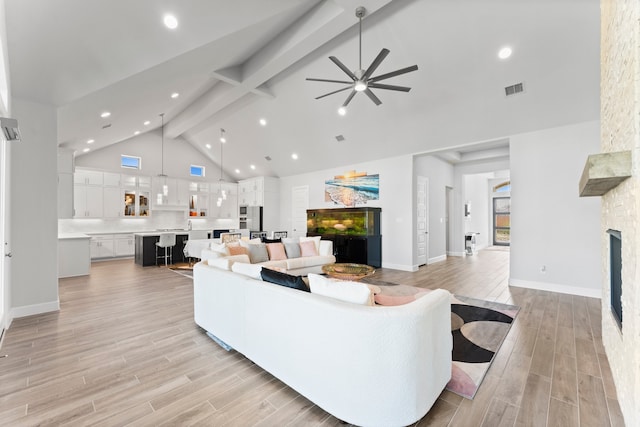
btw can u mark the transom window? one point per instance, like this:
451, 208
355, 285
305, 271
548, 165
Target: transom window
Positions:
505, 187
130, 162
197, 170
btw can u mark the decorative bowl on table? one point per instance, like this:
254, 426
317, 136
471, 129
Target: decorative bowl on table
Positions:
348, 271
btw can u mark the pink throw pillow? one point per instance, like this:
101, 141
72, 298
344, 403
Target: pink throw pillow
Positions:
276, 251
308, 248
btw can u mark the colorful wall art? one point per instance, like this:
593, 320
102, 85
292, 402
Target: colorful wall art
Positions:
352, 188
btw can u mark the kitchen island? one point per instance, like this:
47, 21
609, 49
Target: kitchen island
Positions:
145, 246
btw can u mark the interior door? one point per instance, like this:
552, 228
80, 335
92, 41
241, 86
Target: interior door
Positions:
299, 206
502, 221
422, 220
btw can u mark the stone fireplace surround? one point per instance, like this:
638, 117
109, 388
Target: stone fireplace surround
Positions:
619, 115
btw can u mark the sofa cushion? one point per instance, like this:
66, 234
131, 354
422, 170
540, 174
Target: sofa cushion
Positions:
358, 293
226, 263
266, 240
219, 249
258, 253
276, 265
276, 251
308, 248
305, 262
292, 249
314, 239
246, 269
283, 279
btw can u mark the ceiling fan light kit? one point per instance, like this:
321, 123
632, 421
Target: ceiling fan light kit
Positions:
362, 80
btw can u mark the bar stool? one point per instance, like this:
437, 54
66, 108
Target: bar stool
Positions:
167, 241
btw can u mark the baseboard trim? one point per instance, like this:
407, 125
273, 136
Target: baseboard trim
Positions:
401, 267
30, 310
437, 259
450, 253
553, 287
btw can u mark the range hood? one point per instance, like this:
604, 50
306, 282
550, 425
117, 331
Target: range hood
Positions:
603, 172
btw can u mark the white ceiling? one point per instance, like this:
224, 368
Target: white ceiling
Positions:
236, 62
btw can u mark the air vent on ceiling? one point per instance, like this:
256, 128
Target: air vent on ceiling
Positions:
513, 89
339, 138
106, 126
267, 158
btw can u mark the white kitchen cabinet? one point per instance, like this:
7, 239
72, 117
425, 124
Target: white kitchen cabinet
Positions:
102, 246
88, 201
228, 208
262, 191
170, 192
112, 197
88, 177
124, 245
110, 179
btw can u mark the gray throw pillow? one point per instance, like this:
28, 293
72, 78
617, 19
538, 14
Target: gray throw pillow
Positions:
292, 250
258, 253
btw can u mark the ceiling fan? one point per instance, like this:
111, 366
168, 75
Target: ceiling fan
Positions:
361, 80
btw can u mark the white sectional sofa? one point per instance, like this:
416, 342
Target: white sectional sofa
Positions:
366, 365
295, 266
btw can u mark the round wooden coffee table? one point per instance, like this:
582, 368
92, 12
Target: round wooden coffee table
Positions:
348, 271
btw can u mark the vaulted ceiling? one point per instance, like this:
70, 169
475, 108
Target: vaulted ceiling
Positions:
235, 62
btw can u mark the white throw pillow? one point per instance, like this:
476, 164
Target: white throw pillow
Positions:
246, 269
246, 243
314, 239
220, 248
354, 292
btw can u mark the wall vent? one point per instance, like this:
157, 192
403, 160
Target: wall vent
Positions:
514, 89
267, 158
340, 138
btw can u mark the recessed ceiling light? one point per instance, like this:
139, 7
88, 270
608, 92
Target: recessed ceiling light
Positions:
263, 122
253, 167
170, 21
147, 123
105, 114
86, 150
137, 132
342, 111
174, 95
208, 146
91, 141
294, 156
237, 170
505, 52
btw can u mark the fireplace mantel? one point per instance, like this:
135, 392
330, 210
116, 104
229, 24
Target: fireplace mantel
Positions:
604, 171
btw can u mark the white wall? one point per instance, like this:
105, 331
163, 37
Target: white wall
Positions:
5, 111
33, 211
440, 174
178, 156
551, 225
396, 201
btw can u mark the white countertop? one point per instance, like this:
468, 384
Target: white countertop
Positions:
69, 236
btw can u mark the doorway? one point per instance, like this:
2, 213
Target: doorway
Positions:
502, 221
422, 220
448, 195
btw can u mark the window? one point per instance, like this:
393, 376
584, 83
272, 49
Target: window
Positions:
505, 187
130, 162
197, 170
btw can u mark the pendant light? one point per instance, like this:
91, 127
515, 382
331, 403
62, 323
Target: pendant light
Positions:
222, 193
162, 198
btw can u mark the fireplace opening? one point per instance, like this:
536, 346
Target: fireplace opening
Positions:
615, 274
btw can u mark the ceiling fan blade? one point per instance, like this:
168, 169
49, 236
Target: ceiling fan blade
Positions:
328, 81
349, 98
371, 96
347, 71
389, 87
393, 73
375, 64
335, 91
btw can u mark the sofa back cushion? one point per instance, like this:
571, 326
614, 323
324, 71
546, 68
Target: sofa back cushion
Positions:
358, 293
283, 279
246, 269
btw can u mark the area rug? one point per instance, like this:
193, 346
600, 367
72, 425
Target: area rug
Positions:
479, 329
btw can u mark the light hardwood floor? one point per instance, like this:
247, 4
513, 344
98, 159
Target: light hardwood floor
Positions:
124, 349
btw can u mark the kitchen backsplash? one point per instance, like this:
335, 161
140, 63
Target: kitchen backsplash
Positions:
158, 220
